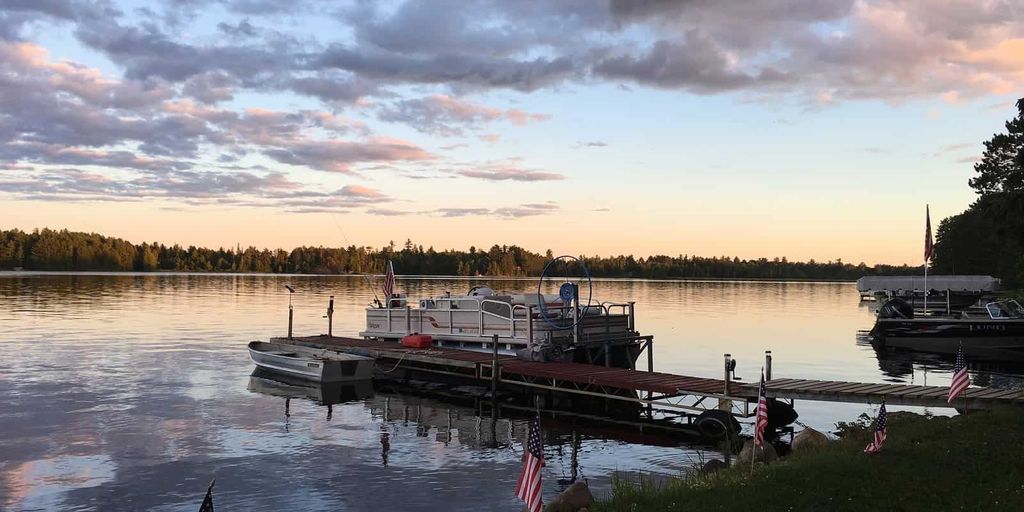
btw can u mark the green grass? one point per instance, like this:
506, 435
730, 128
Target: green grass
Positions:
971, 462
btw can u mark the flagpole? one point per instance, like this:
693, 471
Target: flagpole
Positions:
927, 253
753, 449
963, 394
926, 287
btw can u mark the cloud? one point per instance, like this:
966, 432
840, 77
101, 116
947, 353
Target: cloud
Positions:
510, 174
950, 149
874, 49
75, 183
232, 188
361, 192
695, 63
332, 87
445, 115
527, 210
460, 212
211, 87
387, 212
53, 154
339, 156
508, 212
591, 144
204, 92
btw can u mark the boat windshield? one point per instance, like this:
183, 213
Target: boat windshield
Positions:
1005, 309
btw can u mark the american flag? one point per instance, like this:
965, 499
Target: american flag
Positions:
389, 284
528, 486
961, 379
207, 505
929, 249
876, 445
761, 423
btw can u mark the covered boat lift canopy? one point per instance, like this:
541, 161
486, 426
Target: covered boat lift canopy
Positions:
938, 282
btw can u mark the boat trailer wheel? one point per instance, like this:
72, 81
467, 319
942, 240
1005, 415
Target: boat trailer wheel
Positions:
715, 424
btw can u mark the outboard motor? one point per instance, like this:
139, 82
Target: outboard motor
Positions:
896, 308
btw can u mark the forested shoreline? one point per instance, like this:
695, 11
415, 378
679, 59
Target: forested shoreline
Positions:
49, 249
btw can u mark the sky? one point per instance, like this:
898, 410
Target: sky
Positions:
809, 129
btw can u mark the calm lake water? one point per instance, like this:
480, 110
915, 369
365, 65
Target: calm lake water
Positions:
131, 392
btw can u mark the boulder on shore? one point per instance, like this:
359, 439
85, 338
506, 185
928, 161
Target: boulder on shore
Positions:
762, 454
809, 439
713, 466
575, 497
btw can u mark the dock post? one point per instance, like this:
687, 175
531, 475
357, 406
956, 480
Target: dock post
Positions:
330, 317
608, 354
723, 404
408, 319
650, 369
291, 315
767, 365
529, 328
291, 312
632, 319
650, 355
494, 368
728, 376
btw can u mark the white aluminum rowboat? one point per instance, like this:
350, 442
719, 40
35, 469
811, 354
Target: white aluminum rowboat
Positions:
307, 364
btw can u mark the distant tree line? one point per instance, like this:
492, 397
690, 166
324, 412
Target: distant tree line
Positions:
988, 238
48, 249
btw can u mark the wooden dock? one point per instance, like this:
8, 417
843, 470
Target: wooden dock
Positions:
653, 389
894, 394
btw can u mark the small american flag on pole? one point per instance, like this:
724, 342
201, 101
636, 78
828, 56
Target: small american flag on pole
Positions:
961, 379
389, 284
528, 486
761, 423
929, 248
879, 440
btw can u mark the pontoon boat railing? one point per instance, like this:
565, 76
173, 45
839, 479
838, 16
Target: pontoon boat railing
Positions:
516, 321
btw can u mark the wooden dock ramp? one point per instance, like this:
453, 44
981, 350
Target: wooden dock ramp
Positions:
895, 394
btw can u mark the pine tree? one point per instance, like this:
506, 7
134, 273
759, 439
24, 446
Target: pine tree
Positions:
1001, 168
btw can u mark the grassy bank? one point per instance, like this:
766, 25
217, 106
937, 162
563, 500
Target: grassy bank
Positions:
972, 462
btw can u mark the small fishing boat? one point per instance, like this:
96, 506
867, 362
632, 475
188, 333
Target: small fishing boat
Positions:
997, 330
309, 364
277, 384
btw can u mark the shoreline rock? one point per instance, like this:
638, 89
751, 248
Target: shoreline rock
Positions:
809, 439
765, 454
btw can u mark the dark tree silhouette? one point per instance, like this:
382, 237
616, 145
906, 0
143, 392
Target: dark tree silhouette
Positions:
988, 238
48, 249
1001, 168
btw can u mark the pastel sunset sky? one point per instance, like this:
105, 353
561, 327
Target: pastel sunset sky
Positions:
798, 128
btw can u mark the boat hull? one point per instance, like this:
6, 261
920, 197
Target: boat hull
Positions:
306, 365
1001, 339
